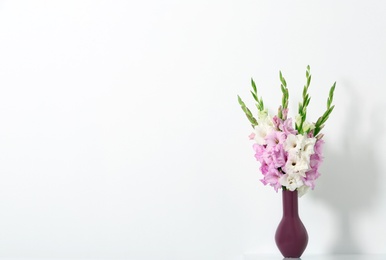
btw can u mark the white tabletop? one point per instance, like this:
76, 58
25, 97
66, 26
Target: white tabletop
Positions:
253, 256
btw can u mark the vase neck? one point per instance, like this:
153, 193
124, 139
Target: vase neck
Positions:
290, 203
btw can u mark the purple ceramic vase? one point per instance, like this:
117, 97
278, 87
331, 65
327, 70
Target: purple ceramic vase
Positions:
291, 236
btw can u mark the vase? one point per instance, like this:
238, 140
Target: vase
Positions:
291, 236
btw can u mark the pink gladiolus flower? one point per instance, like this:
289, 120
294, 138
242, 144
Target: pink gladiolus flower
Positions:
272, 178
318, 146
267, 156
310, 178
287, 127
275, 139
259, 152
315, 161
264, 168
276, 122
279, 157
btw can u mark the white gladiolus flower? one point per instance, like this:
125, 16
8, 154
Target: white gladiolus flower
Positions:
261, 131
308, 146
301, 145
291, 181
296, 165
264, 127
291, 143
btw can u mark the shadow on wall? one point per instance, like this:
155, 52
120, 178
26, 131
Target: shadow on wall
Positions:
342, 184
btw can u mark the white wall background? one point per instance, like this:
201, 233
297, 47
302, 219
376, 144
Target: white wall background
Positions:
121, 135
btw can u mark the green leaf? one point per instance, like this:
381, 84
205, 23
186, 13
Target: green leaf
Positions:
240, 100
254, 96
331, 95
308, 80
247, 112
253, 85
332, 89
304, 92
330, 110
283, 90
282, 79
308, 100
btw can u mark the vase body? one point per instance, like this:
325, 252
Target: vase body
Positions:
291, 236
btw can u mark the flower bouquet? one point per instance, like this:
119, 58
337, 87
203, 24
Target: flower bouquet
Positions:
289, 151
